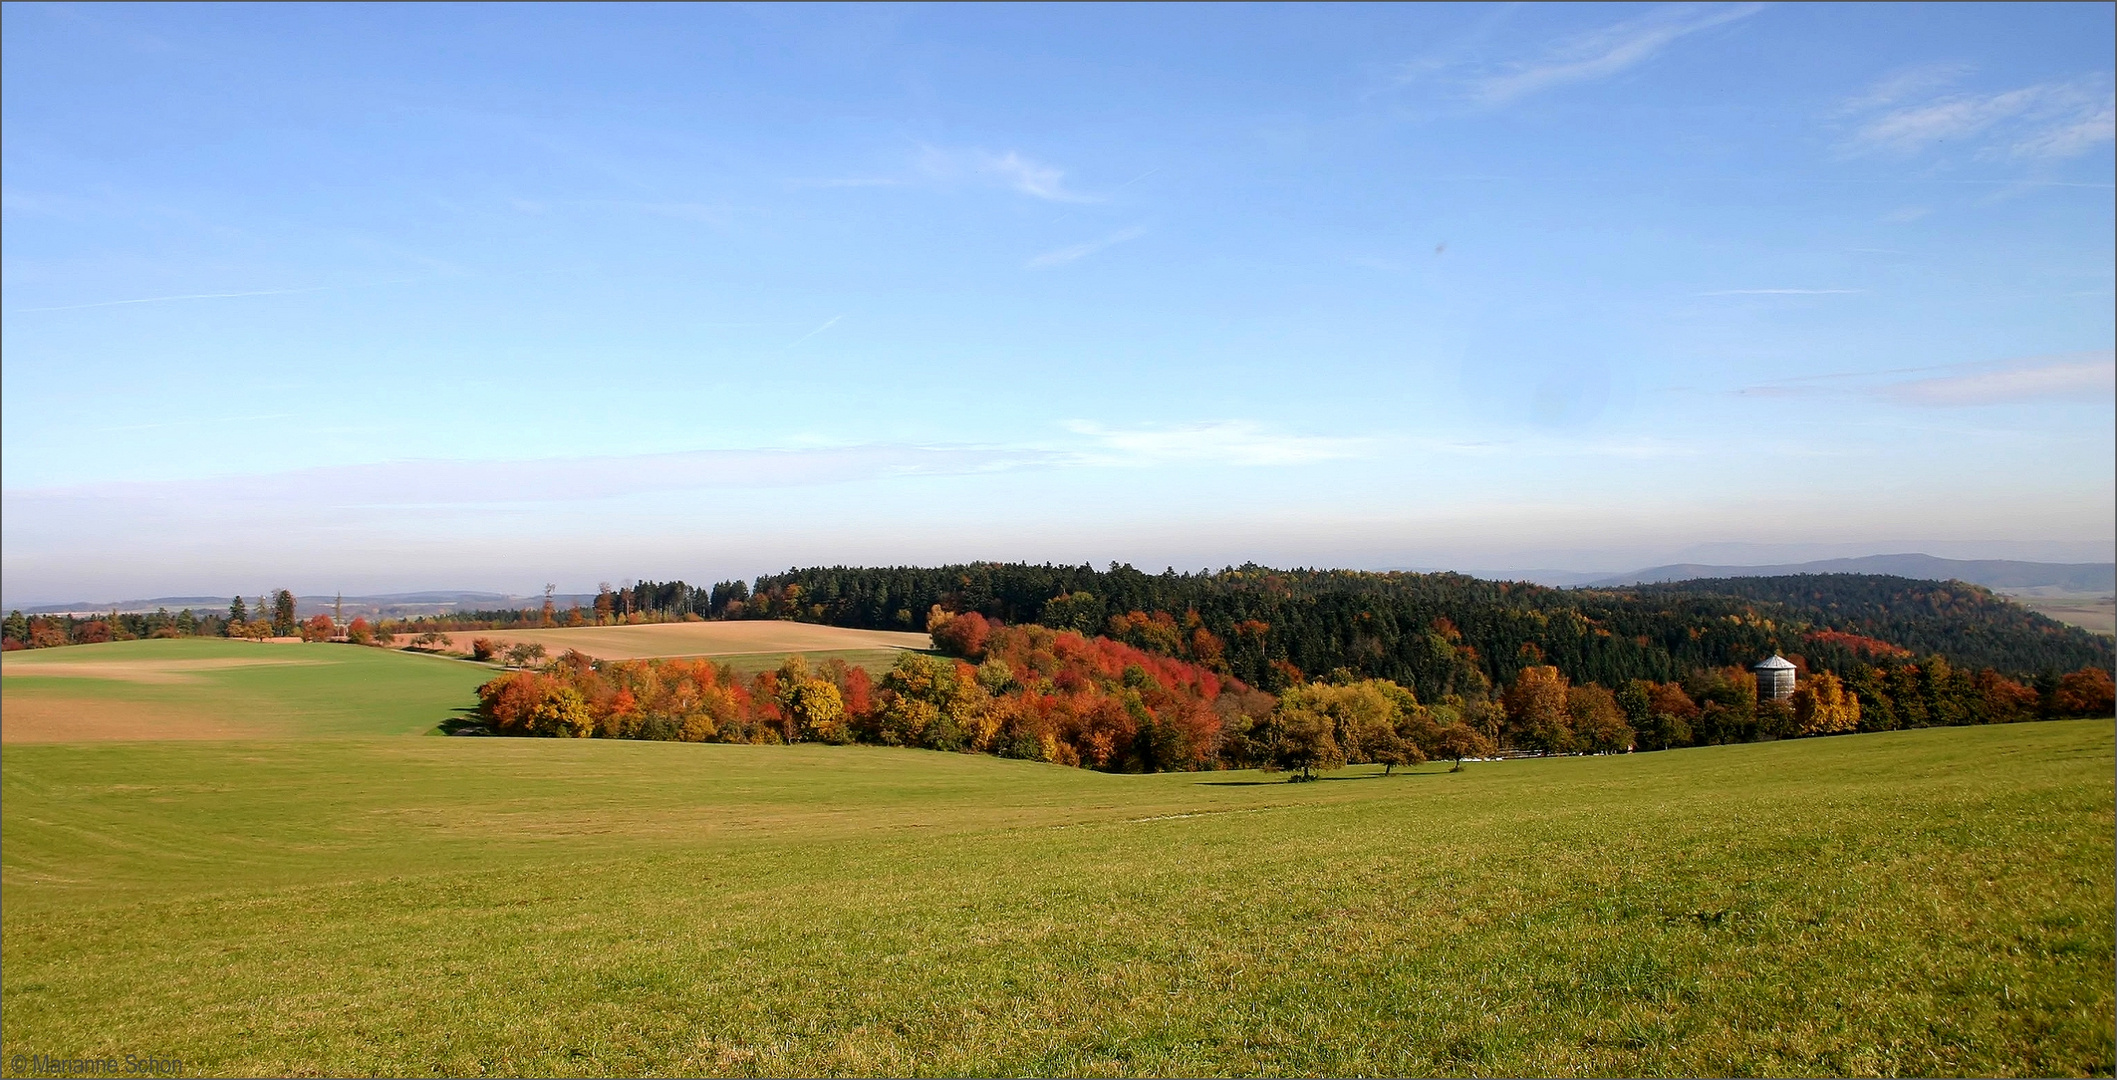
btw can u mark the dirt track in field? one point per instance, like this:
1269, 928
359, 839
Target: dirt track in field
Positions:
140, 671
695, 639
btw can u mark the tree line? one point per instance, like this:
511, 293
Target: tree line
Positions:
1030, 691
1441, 633
19, 631
273, 615
1436, 633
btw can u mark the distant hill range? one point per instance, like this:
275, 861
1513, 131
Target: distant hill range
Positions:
389, 605
1991, 573
2001, 574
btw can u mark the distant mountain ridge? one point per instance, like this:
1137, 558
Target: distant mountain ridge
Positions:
1991, 573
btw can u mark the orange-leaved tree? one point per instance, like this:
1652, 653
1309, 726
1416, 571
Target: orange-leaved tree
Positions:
1537, 717
2087, 692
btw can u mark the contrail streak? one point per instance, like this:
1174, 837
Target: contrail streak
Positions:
827, 324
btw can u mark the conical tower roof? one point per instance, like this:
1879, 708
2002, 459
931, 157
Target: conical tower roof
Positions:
1776, 663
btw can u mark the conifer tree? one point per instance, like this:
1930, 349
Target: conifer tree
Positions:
282, 613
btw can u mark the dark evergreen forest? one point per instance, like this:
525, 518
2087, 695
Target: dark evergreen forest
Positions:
1443, 633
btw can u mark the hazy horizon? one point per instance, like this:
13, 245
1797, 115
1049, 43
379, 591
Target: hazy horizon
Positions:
391, 299
706, 572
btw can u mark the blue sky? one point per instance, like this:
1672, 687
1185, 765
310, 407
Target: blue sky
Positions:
373, 298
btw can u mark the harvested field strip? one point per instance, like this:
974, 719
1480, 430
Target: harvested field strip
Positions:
876, 661
140, 671
696, 639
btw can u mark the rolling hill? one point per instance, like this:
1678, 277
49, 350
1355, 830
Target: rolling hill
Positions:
1991, 573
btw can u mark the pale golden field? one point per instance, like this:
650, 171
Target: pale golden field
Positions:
2096, 614
698, 639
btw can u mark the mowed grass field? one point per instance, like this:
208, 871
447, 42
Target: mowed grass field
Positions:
208, 688
1927, 902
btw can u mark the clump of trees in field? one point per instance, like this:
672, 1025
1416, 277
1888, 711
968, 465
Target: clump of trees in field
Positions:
640, 603
278, 620
1022, 692
1025, 692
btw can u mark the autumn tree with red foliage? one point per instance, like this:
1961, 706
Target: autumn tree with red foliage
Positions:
1856, 644
2001, 700
961, 635
2087, 692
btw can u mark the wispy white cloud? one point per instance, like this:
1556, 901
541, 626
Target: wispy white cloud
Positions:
361, 489
848, 182
2049, 120
1013, 170
1782, 292
1030, 177
1913, 128
1226, 442
948, 167
186, 296
1076, 252
1900, 86
1552, 446
2076, 376
1597, 54
347, 494
2085, 376
2070, 136
438, 270
702, 213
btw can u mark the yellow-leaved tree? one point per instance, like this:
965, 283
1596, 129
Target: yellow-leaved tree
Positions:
1822, 706
562, 712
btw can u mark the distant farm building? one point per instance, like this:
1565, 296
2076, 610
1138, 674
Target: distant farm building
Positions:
1775, 679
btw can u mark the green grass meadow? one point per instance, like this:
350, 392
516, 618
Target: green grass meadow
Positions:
294, 691
1926, 902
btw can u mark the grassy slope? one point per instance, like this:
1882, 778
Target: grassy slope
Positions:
335, 690
1916, 902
